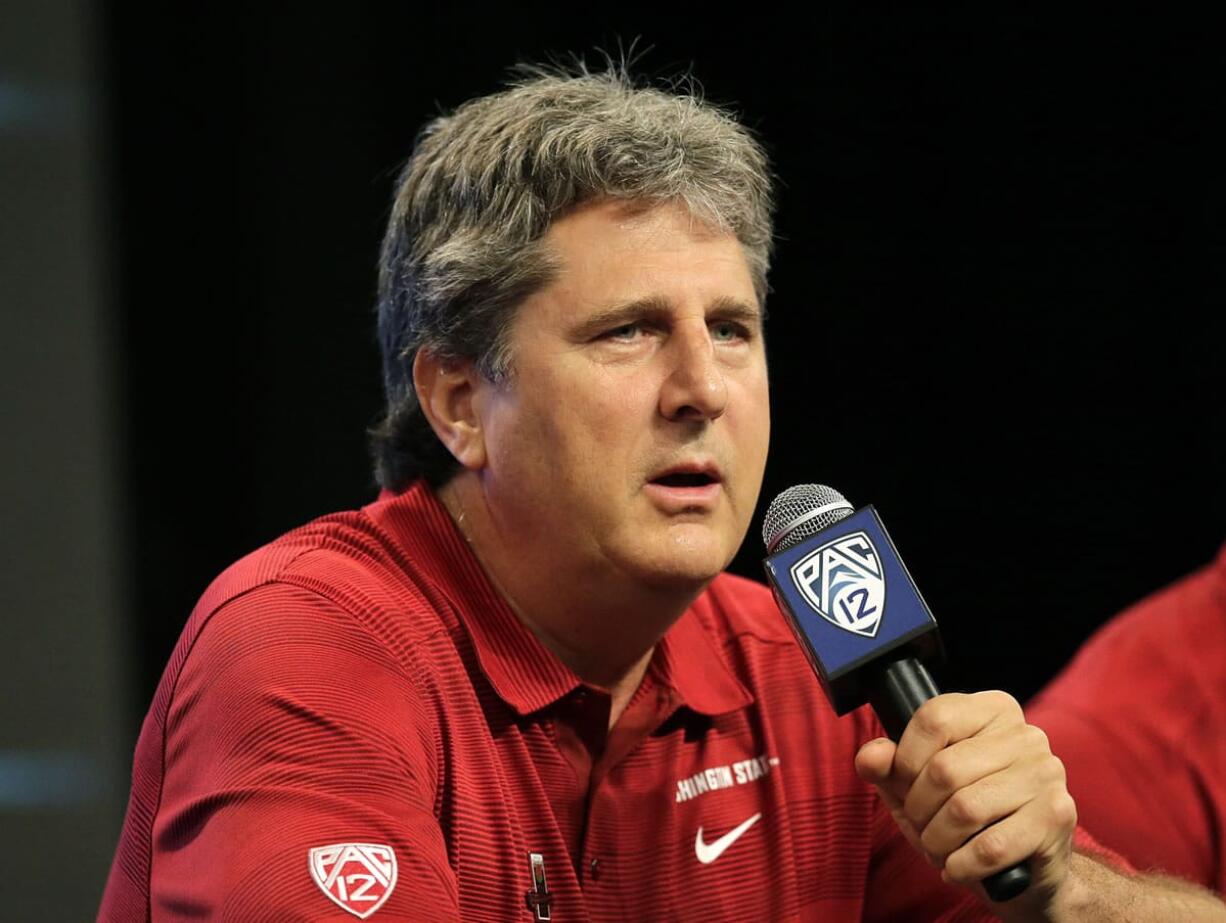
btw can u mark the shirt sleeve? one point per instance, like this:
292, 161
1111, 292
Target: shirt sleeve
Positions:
300, 774
1136, 717
1133, 791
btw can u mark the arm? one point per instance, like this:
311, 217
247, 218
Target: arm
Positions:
1162, 665
1138, 786
293, 730
976, 790
1096, 892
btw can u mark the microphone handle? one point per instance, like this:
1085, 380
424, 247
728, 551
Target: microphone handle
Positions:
897, 690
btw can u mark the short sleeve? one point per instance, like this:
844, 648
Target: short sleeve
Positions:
1114, 770
301, 774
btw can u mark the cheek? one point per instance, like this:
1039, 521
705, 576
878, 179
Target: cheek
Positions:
751, 428
519, 441
763, 418
754, 417
602, 417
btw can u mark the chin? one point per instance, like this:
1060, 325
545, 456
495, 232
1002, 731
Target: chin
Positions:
686, 562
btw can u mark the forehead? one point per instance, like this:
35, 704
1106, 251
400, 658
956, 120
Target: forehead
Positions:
617, 251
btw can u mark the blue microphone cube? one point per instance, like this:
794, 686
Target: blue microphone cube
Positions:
852, 605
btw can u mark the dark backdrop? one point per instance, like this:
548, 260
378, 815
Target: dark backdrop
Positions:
997, 294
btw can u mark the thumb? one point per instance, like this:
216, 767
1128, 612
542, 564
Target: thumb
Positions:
875, 765
875, 761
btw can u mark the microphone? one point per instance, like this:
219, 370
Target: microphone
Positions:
858, 616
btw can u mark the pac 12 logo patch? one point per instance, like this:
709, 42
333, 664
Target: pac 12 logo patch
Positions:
357, 876
842, 581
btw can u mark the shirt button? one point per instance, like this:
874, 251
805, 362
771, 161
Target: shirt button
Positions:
594, 869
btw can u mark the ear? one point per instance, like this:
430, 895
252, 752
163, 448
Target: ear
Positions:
446, 389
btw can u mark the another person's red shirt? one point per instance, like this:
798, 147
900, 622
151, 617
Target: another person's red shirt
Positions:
1139, 719
355, 724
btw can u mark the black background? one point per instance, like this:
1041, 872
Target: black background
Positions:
997, 294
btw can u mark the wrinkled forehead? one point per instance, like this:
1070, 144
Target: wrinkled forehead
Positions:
610, 253
632, 235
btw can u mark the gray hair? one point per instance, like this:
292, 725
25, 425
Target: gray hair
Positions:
464, 242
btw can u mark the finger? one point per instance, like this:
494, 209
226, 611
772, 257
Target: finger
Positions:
970, 810
1039, 832
963, 763
1035, 774
947, 719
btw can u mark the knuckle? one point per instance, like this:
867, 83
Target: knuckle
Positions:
942, 771
1043, 767
906, 767
1002, 701
932, 717
1036, 738
1059, 774
1050, 773
1064, 810
964, 809
990, 847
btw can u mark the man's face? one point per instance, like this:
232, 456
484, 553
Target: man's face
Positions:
631, 438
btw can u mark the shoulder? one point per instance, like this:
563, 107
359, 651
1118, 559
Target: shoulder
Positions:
1191, 607
1131, 664
338, 572
280, 673
1158, 637
329, 603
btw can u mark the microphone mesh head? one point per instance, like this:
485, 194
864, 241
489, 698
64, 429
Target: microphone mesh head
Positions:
790, 519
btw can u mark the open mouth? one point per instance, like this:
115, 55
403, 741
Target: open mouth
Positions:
690, 488
685, 479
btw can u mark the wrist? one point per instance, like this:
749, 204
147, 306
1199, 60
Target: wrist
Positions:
1072, 898
1075, 895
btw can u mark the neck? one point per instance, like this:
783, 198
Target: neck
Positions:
602, 624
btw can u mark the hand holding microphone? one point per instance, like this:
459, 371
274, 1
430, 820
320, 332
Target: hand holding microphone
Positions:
968, 781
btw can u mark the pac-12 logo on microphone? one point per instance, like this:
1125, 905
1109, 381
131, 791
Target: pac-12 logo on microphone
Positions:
842, 581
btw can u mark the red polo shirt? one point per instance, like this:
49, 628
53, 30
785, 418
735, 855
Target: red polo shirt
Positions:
1139, 719
355, 724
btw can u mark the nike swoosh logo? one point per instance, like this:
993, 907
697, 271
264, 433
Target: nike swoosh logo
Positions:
709, 852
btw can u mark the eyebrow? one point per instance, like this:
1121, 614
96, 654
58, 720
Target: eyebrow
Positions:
722, 308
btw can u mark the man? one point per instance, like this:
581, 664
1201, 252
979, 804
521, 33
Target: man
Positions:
1139, 719
518, 685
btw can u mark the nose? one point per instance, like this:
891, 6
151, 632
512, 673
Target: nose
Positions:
694, 387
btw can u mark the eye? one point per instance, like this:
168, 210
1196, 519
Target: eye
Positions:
726, 331
625, 332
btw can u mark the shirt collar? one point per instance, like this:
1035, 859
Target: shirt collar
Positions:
689, 661
524, 673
